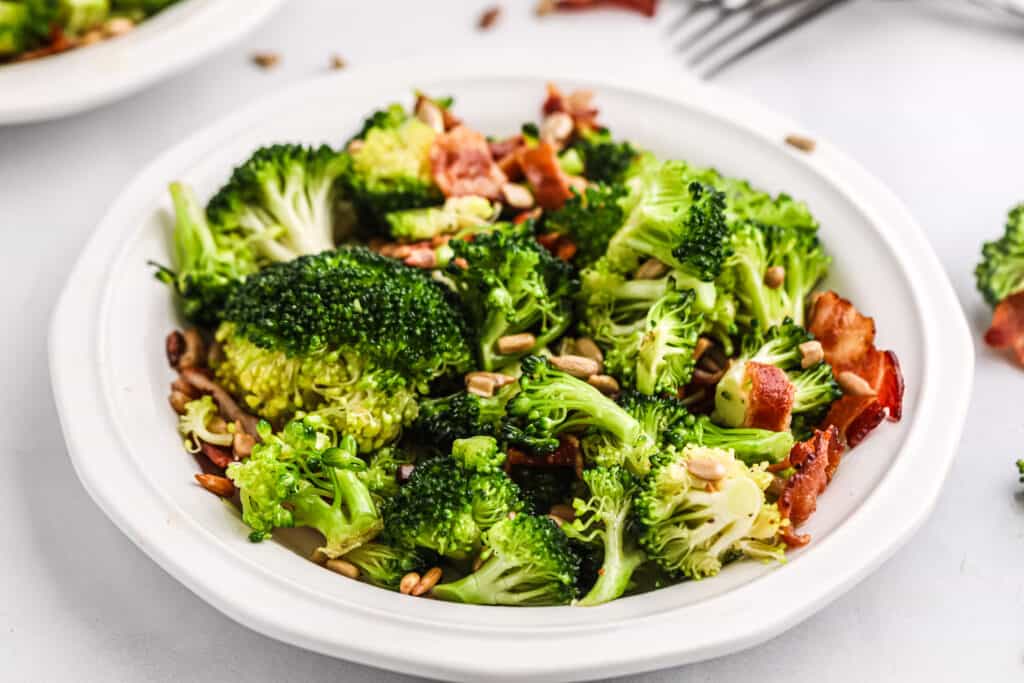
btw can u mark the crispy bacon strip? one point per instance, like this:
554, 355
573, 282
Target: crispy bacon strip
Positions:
549, 182
815, 461
461, 164
770, 404
848, 339
578, 104
1007, 329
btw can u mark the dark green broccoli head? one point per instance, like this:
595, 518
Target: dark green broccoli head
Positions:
445, 508
527, 562
443, 420
1001, 271
512, 285
356, 300
544, 487
282, 200
208, 263
604, 159
590, 219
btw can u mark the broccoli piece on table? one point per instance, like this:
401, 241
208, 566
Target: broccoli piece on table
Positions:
349, 334
1001, 271
209, 262
384, 565
606, 519
527, 561
282, 200
460, 415
388, 166
456, 215
305, 476
446, 506
690, 528
511, 285
815, 387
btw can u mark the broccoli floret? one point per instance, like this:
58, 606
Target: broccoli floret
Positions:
659, 418
672, 218
744, 203
691, 529
79, 16
571, 161
605, 519
26, 24
590, 219
381, 474
349, 334
305, 476
1001, 271
755, 249
209, 262
527, 562
282, 200
512, 285
748, 444
456, 215
194, 425
478, 454
551, 402
385, 565
665, 355
815, 387
604, 160
445, 507
460, 415
388, 168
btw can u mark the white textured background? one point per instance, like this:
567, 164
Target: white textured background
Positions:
929, 100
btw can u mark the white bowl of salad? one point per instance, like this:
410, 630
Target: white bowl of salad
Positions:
59, 57
513, 377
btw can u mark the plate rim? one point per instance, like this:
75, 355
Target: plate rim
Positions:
68, 95
931, 286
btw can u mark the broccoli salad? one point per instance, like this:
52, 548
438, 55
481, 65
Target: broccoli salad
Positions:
549, 368
30, 29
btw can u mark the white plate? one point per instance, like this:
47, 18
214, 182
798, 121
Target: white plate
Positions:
80, 79
110, 381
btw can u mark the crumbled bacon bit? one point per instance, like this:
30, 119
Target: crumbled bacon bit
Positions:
461, 163
1007, 328
549, 182
771, 398
644, 7
488, 17
568, 454
219, 455
848, 340
815, 461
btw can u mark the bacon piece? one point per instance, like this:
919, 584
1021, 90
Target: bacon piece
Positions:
461, 164
1007, 329
848, 339
815, 461
644, 7
549, 182
218, 455
568, 454
770, 402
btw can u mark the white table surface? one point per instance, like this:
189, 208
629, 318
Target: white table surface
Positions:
930, 102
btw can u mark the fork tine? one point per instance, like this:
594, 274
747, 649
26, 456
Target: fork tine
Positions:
752, 20
695, 7
802, 16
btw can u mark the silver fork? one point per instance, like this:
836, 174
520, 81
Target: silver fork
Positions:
709, 27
